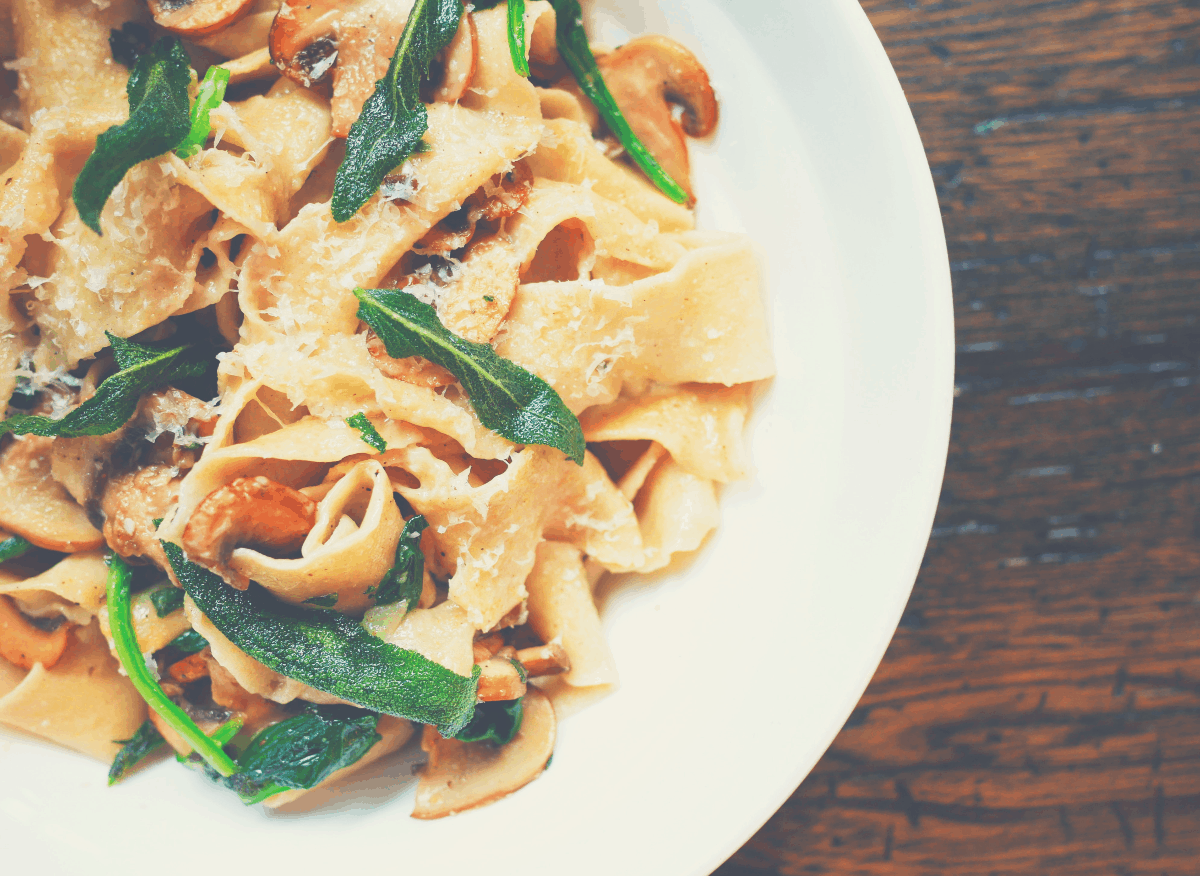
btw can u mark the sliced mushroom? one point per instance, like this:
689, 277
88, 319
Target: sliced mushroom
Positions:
24, 644
35, 506
196, 18
303, 41
500, 679
544, 660
650, 75
465, 775
253, 511
131, 502
502, 196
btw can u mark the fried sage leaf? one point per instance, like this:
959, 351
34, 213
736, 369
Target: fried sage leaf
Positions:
302, 751
577, 53
404, 579
14, 546
330, 651
158, 120
393, 119
368, 432
508, 399
209, 97
141, 370
166, 600
495, 722
134, 750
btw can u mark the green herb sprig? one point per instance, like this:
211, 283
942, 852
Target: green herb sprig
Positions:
577, 53
120, 619
134, 750
330, 652
508, 399
141, 369
208, 98
14, 546
393, 119
367, 431
516, 37
405, 578
189, 642
166, 600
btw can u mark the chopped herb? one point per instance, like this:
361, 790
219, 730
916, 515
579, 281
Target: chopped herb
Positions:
158, 121
330, 652
129, 43
329, 600
209, 97
405, 578
141, 369
134, 663
488, 298
368, 432
495, 722
167, 600
393, 119
302, 751
514, 402
190, 642
574, 49
516, 37
13, 547
146, 740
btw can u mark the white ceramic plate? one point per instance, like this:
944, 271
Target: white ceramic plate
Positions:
739, 668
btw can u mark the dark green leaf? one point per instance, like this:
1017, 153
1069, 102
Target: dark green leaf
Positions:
329, 600
129, 43
495, 722
146, 740
508, 399
208, 98
393, 119
330, 652
158, 120
404, 579
167, 600
302, 751
13, 547
141, 369
516, 37
368, 432
575, 51
190, 642
129, 654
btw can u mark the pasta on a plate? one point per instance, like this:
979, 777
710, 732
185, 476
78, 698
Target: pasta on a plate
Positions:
345, 346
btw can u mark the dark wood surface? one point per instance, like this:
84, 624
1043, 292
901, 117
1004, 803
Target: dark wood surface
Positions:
1039, 709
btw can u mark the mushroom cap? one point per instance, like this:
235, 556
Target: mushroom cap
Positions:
303, 41
195, 18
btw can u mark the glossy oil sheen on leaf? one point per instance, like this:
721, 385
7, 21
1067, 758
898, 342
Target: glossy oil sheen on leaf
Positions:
145, 741
508, 399
141, 370
159, 119
577, 53
404, 579
393, 119
330, 652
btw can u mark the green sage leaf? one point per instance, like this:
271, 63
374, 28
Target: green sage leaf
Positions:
329, 600
393, 119
495, 722
404, 579
330, 652
12, 547
167, 600
367, 431
508, 399
577, 53
129, 43
134, 750
141, 370
190, 642
209, 97
158, 120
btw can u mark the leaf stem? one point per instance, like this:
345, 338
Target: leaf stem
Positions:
120, 618
516, 36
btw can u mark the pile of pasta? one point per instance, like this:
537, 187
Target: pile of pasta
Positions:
525, 229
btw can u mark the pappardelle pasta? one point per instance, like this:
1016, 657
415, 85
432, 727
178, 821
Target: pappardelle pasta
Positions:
345, 346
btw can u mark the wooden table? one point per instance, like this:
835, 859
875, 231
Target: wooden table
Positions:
1039, 709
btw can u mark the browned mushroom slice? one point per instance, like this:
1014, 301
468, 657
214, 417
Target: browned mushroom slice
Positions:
254, 512
504, 195
195, 18
500, 679
544, 660
650, 75
303, 42
24, 644
131, 502
35, 506
465, 775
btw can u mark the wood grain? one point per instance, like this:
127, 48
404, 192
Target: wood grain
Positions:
1039, 709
